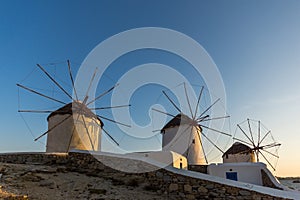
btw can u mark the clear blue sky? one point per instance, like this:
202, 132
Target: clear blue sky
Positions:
255, 45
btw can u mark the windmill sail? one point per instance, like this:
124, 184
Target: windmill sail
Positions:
74, 125
260, 141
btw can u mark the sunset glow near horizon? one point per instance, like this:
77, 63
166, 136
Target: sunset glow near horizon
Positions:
255, 46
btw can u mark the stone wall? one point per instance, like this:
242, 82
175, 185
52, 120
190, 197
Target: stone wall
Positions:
168, 184
198, 168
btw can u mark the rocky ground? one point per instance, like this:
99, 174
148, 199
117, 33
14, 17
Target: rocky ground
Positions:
32, 181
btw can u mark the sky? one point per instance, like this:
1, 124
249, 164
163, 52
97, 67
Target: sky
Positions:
254, 44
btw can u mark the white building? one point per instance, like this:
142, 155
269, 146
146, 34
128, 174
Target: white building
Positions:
183, 136
73, 126
247, 172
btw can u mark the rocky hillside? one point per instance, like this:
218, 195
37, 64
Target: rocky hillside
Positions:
29, 181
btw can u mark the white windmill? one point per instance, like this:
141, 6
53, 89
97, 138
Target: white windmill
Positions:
184, 132
259, 144
74, 125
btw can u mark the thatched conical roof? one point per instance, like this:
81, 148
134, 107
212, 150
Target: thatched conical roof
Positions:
178, 120
75, 107
237, 148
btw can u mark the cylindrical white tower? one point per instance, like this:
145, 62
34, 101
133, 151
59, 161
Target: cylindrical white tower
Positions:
81, 131
183, 136
239, 152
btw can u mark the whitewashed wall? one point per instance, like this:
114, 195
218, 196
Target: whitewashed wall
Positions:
59, 138
180, 140
246, 172
232, 158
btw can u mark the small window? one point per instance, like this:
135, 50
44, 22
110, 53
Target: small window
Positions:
226, 156
231, 176
180, 165
193, 141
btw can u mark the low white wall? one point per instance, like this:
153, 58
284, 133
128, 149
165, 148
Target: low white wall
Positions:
168, 158
246, 172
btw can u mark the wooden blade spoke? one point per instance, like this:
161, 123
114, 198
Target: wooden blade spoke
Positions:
72, 80
250, 131
110, 107
267, 160
111, 120
103, 94
213, 143
270, 145
158, 130
242, 141
198, 101
270, 153
215, 118
265, 137
188, 101
38, 93
87, 132
246, 135
36, 111
201, 119
171, 101
110, 137
163, 112
216, 130
257, 155
90, 84
258, 133
55, 82
207, 109
56, 125
74, 128
202, 146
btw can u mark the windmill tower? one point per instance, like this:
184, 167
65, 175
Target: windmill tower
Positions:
178, 126
74, 125
184, 134
70, 135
